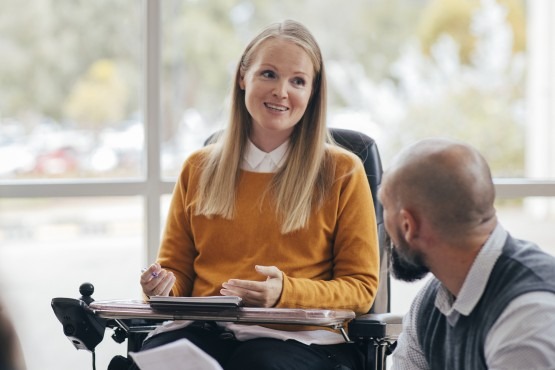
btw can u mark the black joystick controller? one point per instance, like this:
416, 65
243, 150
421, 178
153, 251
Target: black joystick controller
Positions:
86, 290
81, 326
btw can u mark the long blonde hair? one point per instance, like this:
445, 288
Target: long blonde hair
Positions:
306, 168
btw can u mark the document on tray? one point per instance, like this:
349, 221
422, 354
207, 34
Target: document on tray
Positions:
211, 302
181, 354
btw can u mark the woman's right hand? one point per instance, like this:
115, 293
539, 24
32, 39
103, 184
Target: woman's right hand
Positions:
156, 281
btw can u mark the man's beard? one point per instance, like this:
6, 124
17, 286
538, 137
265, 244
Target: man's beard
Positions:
407, 266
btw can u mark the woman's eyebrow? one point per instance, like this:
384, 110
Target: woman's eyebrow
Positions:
269, 65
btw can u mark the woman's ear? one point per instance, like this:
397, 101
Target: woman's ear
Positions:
241, 82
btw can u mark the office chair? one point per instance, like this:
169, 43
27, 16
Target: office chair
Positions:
375, 333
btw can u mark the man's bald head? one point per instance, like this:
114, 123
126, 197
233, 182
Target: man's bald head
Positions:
447, 182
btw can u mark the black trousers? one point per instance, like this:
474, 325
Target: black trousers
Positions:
261, 353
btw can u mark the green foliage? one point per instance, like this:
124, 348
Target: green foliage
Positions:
489, 126
99, 98
451, 17
50, 44
53, 46
454, 18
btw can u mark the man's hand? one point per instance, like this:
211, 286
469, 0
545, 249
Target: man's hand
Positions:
257, 293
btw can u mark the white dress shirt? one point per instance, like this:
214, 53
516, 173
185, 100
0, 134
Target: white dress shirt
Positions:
256, 160
521, 337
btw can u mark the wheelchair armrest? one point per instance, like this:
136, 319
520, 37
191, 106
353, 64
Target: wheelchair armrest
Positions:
378, 326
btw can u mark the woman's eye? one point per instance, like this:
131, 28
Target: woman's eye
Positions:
268, 74
299, 81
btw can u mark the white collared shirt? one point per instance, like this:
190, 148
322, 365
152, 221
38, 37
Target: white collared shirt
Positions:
521, 337
475, 282
256, 160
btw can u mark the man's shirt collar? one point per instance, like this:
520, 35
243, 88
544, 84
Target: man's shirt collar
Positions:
476, 280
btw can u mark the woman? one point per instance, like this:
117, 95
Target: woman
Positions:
272, 212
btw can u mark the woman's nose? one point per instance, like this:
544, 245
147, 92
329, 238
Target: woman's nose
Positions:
280, 90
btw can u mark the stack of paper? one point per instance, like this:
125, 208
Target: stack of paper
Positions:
178, 355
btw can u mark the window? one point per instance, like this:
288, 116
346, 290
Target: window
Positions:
100, 103
70, 96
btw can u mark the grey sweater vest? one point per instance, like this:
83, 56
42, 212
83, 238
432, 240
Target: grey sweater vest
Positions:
521, 268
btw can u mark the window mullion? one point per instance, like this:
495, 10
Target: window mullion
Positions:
152, 126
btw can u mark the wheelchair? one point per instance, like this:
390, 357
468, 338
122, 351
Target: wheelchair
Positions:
85, 320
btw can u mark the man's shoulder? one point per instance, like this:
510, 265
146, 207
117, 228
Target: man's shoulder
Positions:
426, 297
526, 249
529, 257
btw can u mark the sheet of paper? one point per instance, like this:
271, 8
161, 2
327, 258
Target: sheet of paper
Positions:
178, 355
227, 300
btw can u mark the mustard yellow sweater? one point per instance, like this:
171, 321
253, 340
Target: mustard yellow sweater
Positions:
333, 263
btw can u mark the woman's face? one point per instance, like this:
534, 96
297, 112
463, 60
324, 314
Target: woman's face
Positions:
278, 86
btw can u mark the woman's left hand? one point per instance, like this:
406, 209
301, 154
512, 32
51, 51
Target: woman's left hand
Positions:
257, 293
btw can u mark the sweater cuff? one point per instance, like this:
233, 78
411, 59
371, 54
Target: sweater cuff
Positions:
284, 300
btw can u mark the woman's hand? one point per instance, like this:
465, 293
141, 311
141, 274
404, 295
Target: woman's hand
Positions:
157, 281
257, 293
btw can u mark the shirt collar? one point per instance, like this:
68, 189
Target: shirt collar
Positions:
476, 280
254, 156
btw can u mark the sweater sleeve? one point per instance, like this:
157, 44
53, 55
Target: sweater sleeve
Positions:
177, 249
353, 280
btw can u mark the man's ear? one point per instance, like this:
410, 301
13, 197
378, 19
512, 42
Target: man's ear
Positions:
410, 225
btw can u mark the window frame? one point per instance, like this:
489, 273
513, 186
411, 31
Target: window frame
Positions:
151, 187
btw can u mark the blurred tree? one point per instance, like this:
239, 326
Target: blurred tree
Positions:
489, 126
48, 44
448, 17
203, 41
200, 45
99, 98
476, 96
454, 18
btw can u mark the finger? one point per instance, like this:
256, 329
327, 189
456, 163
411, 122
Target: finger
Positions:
169, 284
257, 286
163, 285
269, 271
154, 285
235, 290
151, 272
250, 298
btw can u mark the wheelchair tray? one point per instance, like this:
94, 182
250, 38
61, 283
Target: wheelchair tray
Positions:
135, 309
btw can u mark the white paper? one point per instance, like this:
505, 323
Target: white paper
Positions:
226, 300
178, 355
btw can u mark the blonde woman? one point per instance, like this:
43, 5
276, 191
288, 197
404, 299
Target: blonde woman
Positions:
272, 212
